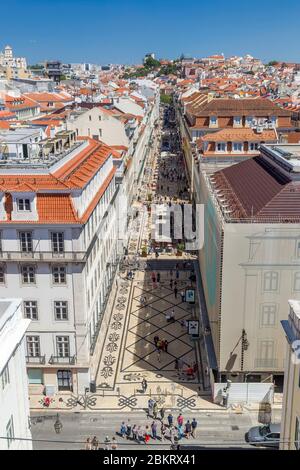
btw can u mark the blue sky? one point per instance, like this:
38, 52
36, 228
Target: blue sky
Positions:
120, 31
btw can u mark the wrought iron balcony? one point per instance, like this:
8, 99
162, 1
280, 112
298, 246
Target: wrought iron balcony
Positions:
48, 256
35, 359
62, 360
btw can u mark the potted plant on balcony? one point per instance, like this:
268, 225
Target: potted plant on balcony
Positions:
180, 248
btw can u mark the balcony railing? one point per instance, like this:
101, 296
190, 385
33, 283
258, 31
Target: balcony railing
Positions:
62, 360
43, 256
35, 359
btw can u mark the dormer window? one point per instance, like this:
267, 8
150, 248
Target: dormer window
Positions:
23, 205
213, 121
221, 147
238, 146
249, 120
237, 120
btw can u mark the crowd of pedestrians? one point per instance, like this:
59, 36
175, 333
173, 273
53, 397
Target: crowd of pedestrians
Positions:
161, 428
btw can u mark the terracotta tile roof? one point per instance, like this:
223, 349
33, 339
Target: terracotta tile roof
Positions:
5, 114
15, 104
98, 196
4, 124
255, 189
44, 97
245, 107
55, 208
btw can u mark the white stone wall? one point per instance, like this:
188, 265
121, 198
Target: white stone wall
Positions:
14, 401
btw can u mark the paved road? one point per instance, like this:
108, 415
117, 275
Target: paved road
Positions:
215, 429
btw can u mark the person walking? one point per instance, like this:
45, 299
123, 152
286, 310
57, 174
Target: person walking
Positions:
177, 274
107, 443
154, 430
158, 277
123, 430
188, 429
194, 425
150, 407
134, 432
155, 410
172, 434
170, 419
158, 353
176, 364
180, 419
180, 431
128, 430
140, 434
147, 435
95, 443
171, 284
180, 365
175, 292
156, 340
182, 296
144, 385
88, 444
166, 344
163, 431
162, 413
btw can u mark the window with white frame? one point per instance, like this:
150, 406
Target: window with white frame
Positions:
23, 205
30, 309
237, 120
213, 120
249, 120
61, 310
28, 274
59, 274
10, 432
5, 377
268, 315
26, 241
254, 146
270, 281
274, 120
33, 346
2, 274
63, 346
57, 239
221, 146
238, 146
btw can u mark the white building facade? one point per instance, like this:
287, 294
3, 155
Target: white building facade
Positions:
59, 247
14, 399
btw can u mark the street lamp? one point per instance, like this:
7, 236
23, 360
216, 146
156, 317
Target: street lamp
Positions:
58, 425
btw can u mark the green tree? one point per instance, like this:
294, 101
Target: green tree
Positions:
151, 63
272, 63
166, 99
